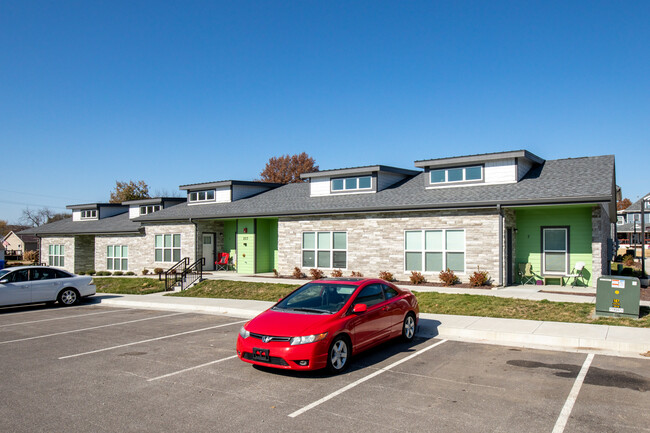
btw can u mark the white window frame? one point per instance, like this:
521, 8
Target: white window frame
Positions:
345, 188
89, 214
145, 210
121, 259
620, 219
202, 196
443, 251
565, 251
171, 248
56, 255
331, 250
463, 180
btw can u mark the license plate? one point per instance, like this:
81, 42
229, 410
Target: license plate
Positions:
261, 355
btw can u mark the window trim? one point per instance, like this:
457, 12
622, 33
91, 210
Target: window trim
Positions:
444, 250
348, 190
54, 259
456, 182
170, 248
93, 214
331, 250
121, 258
567, 259
198, 200
154, 208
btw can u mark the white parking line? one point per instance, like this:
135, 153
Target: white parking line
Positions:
7, 310
560, 424
59, 318
88, 329
363, 379
191, 368
151, 339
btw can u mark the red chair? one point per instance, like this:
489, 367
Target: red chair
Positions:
222, 261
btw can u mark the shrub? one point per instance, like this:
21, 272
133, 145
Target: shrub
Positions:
91, 272
357, 274
158, 271
103, 274
479, 278
386, 276
31, 256
118, 273
448, 277
81, 273
417, 278
297, 273
628, 260
316, 274
337, 273
130, 274
145, 271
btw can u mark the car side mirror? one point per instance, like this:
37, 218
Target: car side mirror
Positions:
360, 308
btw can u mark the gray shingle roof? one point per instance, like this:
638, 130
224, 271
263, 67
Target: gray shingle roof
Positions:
634, 207
576, 180
111, 225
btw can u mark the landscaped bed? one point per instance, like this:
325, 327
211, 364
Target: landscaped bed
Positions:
129, 286
437, 303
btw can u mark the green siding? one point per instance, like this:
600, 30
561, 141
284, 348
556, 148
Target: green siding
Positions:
529, 234
267, 244
246, 246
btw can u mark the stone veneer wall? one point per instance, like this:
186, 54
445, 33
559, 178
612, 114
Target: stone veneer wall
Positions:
141, 247
68, 243
509, 222
215, 227
601, 242
376, 241
84, 253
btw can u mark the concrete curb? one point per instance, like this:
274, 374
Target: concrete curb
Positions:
572, 337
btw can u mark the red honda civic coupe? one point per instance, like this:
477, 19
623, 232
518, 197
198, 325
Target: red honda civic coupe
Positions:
324, 322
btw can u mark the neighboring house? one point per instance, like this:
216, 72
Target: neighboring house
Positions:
628, 224
491, 211
15, 244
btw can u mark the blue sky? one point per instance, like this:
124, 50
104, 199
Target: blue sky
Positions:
184, 92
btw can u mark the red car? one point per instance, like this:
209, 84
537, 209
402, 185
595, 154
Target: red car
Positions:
325, 322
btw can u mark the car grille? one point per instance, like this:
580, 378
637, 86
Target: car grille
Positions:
272, 359
270, 338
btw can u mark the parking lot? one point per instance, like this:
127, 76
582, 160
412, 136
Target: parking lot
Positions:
94, 368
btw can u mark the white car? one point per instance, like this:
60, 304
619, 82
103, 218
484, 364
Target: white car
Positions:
32, 284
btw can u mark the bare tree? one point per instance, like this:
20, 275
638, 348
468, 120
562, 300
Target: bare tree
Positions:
287, 169
41, 216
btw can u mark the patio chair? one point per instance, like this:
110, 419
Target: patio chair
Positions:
222, 261
525, 271
576, 273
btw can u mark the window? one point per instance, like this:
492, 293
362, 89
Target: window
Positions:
87, 214
434, 250
555, 250
460, 174
199, 196
370, 295
352, 183
117, 258
144, 210
633, 217
324, 250
56, 255
620, 219
168, 248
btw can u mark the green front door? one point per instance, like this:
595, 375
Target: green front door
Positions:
246, 246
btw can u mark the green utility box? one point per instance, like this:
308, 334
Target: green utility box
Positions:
618, 296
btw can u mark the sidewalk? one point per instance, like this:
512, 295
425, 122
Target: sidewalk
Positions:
575, 337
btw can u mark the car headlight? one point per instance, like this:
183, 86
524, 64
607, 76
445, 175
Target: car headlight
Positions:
244, 333
308, 339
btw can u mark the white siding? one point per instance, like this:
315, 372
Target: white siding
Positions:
319, 186
524, 167
223, 195
384, 180
76, 215
134, 212
500, 171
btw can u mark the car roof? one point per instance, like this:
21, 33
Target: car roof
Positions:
347, 280
18, 268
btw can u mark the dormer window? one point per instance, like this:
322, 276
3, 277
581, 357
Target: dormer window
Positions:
89, 214
201, 196
352, 183
144, 210
458, 174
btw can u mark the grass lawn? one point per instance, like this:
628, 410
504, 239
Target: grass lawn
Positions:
129, 286
238, 290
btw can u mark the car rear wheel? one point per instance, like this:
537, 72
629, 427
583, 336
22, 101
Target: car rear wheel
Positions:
408, 328
339, 354
68, 297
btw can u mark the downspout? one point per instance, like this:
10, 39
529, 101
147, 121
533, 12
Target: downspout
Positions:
501, 246
196, 240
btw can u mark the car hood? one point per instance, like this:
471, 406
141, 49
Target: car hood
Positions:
284, 324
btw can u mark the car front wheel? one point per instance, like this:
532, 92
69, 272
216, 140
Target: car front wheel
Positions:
339, 354
68, 297
408, 328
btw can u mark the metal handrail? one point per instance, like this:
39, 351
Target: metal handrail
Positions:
175, 274
193, 273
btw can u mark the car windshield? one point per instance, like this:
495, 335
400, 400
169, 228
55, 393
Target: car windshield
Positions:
317, 298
